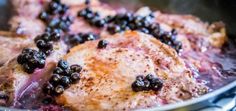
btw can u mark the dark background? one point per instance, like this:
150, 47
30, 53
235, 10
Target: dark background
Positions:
207, 10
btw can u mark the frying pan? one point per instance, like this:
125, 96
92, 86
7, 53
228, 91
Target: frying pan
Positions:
207, 10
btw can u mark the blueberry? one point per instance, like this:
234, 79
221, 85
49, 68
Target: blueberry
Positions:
40, 44
48, 88
69, 19
140, 78
67, 72
65, 81
75, 68
63, 64
149, 77
152, 15
59, 89
174, 32
55, 79
109, 19
74, 40
47, 100
114, 29
45, 37
47, 46
33, 63
146, 85
102, 44
43, 16
82, 13
41, 63
64, 8
156, 84
129, 17
144, 30
89, 16
88, 10
54, 7
28, 68
54, 22
75, 77
100, 23
58, 70
132, 26
55, 36
89, 37
96, 14
62, 25
138, 85
153, 27
21, 59
47, 51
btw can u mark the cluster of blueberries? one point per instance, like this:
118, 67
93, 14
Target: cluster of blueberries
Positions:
63, 76
92, 18
45, 41
61, 22
75, 39
147, 83
129, 21
31, 59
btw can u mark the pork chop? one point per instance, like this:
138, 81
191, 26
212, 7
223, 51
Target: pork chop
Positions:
14, 82
108, 73
11, 45
26, 20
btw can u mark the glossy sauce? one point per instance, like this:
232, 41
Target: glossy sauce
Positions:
217, 68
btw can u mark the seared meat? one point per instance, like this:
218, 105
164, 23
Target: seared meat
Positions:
108, 74
194, 33
27, 26
26, 21
11, 46
14, 82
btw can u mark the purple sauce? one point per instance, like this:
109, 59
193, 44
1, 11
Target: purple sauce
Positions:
30, 96
217, 68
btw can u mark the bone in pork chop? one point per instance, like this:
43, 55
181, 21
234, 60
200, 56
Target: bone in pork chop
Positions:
109, 72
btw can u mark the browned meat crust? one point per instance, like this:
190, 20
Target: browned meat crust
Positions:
108, 74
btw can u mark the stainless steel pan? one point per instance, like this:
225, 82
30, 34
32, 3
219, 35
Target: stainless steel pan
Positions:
207, 10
